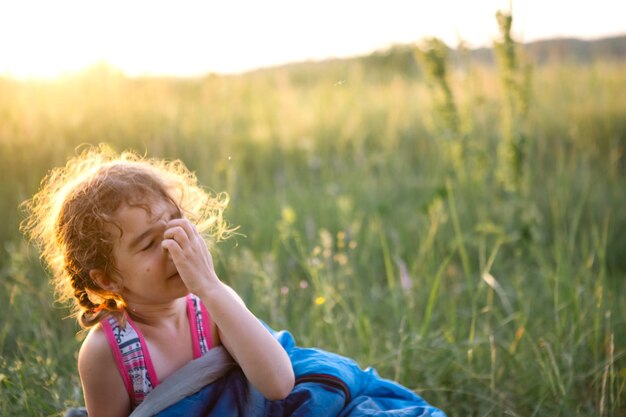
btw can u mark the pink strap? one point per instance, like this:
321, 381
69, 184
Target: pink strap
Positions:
193, 327
206, 321
108, 331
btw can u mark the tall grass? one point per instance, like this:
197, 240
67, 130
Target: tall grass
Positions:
361, 231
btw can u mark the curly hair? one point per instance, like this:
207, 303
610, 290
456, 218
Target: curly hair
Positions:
67, 219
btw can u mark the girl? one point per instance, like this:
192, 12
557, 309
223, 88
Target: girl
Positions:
123, 237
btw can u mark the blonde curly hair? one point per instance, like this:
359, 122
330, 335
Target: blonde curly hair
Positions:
67, 219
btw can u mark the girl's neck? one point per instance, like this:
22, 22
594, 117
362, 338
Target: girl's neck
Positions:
160, 315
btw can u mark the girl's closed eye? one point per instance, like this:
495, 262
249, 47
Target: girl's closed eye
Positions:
149, 245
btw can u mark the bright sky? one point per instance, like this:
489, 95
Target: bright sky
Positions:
190, 37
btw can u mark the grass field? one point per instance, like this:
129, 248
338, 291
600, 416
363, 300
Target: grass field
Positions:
381, 217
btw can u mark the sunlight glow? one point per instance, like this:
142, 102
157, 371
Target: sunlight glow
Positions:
49, 38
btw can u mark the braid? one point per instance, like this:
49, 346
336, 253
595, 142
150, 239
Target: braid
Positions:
80, 293
86, 307
110, 304
89, 312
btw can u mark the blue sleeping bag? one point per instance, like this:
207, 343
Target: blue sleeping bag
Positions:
327, 385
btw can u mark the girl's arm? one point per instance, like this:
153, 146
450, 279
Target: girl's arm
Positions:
103, 388
262, 359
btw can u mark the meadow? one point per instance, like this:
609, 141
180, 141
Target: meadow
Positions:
457, 227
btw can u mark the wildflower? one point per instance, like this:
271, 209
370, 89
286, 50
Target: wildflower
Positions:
341, 259
288, 215
284, 290
320, 300
341, 239
304, 284
326, 238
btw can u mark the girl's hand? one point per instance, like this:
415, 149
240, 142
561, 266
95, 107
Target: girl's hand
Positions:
263, 360
190, 255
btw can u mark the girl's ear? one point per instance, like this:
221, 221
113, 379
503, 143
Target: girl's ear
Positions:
105, 282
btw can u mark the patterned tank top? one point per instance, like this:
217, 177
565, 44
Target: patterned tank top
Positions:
131, 352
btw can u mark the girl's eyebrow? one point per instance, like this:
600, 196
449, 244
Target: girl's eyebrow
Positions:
137, 240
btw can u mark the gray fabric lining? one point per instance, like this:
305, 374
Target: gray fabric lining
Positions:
186, 381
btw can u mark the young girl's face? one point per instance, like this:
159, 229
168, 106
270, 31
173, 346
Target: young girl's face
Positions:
147, 273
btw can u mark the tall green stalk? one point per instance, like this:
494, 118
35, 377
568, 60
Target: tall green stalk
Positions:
515, 79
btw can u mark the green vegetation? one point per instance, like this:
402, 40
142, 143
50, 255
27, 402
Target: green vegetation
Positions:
375, 219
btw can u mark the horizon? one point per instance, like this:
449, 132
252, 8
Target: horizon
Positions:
152, 39
114, 68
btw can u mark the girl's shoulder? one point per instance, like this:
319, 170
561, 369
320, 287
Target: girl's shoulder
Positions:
95, 354
96, 348
100, 378
95, 342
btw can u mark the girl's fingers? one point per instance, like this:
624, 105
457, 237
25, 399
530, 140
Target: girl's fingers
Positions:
178, 234
192, 233
173, 248
190, 242
185, 224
